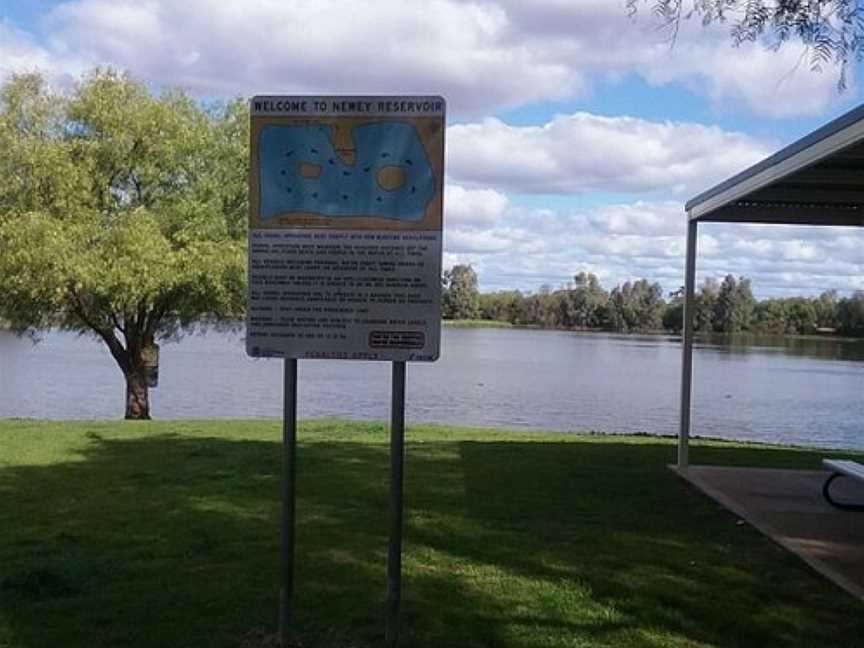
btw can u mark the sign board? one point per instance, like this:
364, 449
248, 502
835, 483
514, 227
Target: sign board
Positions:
345, 220
150, 356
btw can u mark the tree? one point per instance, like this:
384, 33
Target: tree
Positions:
704, 304
826, 310
771, 317
673, 314
503, 306
733, 309
831, 30
636, 306
583, 304
851, 314
461, 298
122, 215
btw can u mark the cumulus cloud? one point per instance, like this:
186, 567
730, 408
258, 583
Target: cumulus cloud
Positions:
591, 35
479, 207
446, 47
20, 53
769, 83
527, 248
583, 152
484, 56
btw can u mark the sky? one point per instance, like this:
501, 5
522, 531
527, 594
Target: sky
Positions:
575, 133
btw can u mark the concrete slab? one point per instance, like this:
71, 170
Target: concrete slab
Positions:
788, 507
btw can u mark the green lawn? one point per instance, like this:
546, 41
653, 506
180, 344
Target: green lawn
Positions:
166, 534
476, 323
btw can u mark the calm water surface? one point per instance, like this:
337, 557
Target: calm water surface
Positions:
808, 392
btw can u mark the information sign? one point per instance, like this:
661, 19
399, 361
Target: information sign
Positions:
345, 227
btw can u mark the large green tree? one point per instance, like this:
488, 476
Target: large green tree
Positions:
461, 298
704, 305
504, 306
122, 214
851, 314
733, 309
636, 306
583, 304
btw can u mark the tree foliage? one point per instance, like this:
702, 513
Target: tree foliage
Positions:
850, 314
636, 306
733, 309
831, 30
461, 296
122, 215
583, 302
726, 306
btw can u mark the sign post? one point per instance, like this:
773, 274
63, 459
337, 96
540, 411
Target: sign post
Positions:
397, 457
289, 497
345, 242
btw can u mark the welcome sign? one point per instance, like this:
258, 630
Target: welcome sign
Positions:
345, 227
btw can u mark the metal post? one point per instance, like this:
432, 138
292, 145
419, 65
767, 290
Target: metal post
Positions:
394, 552
687, 347
289, 474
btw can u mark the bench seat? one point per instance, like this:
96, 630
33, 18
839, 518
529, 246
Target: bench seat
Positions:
842, 468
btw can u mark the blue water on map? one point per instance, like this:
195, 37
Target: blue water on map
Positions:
301, 171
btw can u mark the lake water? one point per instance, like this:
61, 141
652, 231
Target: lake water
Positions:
808, 392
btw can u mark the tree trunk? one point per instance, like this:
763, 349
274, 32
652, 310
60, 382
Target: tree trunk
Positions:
137, 395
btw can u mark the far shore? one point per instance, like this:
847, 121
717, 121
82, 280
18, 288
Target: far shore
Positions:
732, 337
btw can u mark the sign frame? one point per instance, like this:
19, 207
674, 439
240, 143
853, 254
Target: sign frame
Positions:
359, 277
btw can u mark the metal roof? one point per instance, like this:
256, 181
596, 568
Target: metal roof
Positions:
818, 180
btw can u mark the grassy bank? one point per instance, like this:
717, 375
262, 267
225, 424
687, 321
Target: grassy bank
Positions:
471, 323
166, 534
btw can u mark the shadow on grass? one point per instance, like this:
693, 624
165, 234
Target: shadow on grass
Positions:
171, 541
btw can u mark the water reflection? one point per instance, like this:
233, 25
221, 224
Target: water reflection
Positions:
803, 346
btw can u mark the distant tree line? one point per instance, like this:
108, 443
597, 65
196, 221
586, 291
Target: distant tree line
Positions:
726, 306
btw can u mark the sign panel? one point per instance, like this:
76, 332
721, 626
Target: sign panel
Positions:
345, 220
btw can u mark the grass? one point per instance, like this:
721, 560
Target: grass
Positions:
476, 323
166, 534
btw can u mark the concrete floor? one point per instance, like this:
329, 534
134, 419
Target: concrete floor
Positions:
787, 506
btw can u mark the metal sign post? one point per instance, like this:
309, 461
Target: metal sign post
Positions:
346, 200
397, 457
289, 478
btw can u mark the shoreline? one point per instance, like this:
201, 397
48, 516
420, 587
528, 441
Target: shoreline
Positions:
657, 333
430, 429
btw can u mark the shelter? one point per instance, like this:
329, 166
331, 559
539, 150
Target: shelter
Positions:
818, 180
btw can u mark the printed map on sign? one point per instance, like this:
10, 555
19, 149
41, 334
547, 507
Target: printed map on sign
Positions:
377, 169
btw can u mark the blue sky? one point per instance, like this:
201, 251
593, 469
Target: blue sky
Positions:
576, 134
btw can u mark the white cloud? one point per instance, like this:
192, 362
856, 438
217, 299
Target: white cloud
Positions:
526, 248
462, 241
647, 218
446, 47
769, 83
484, 56
18, 52
583, 152
591, 35
479, 207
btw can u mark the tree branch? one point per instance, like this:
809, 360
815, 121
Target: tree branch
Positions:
118, 351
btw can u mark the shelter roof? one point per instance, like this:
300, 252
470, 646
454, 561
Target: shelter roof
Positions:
818, 180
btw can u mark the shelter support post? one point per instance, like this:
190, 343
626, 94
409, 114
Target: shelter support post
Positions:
687, 347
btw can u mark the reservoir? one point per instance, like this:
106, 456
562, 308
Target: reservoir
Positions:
783, 390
